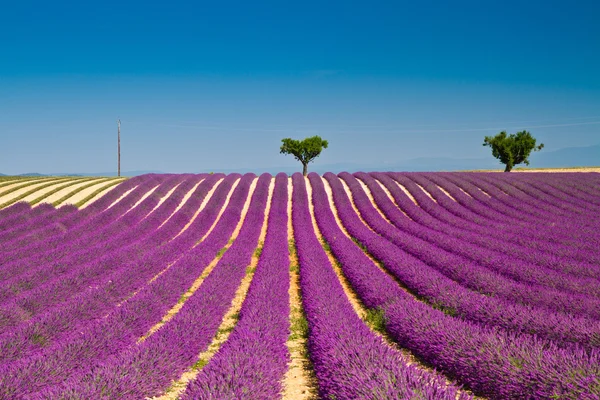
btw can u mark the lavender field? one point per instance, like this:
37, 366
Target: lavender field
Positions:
445, 285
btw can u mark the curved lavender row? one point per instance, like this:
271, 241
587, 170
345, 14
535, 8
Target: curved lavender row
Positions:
13, 211
94, 208
557, 189
109, 198
59, 243
47, 215
594, 179
109, 289
472, 207
69, 229
57, 283
478, 205
528, 199
498, 212
147, 369
492, 362
559, 234
551, 199
526, 202
544, 228
451, 297
570, 206
349, 360
34, 243
538, 187
252, 362
432, 207
529, 250
587, 183
118, 234
568, 186
121, 329
484, 252
469, 219
471, 274
103, 219
580, 187
21, 215
42, 229
12, 226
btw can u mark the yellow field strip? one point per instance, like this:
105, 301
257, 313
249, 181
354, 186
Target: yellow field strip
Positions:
40, 195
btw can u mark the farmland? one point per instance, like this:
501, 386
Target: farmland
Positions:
446, 285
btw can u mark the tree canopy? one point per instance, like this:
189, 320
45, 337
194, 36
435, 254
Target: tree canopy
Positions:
512, 149
305, 150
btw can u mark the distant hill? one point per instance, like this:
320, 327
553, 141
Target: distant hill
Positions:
567, 157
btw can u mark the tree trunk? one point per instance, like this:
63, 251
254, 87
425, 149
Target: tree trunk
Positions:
508, 168
304, 169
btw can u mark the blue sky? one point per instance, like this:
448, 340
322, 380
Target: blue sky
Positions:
214, 85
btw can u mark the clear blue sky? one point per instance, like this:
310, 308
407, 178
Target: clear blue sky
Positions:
210, 85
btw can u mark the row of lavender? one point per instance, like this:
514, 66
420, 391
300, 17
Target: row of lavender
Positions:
349, 359
96, 287
149, 367
85, 359
91, 301
509, 204
90, 364
443, 214
547, 265
528, 365
533, 266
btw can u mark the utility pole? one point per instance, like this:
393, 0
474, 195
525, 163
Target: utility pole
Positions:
119, 146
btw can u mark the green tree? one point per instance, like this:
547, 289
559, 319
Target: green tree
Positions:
305, 150
512, 149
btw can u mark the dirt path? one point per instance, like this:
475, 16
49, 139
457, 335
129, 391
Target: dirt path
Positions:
409, 357
202, 205
229, 320
185, 198
164, 198
205, 202
406, 192
358, 307
426, 192
198, 282
369, 195
144, 197
389, 195
299, 381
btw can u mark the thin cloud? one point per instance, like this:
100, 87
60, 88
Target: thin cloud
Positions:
381, 129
